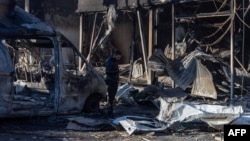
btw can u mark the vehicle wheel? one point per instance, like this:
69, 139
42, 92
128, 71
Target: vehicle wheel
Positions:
92, 103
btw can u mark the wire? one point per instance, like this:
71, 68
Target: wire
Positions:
216, 41
219, 28
222, 5
232, 17
242, 20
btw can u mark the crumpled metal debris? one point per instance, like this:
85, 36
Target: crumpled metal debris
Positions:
187, 112
180, 50
148, 96
134, 124
218, 121
137, 68
173, 95
184, 71
123, 93
203, 84
243, 119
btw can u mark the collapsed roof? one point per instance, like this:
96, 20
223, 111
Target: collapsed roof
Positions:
99, 5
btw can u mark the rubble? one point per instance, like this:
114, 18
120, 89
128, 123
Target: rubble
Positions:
206, 81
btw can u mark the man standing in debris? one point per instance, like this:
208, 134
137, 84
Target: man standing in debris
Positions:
112, 77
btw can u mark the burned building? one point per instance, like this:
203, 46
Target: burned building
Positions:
176, 28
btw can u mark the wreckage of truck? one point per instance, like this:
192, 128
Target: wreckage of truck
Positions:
39, 73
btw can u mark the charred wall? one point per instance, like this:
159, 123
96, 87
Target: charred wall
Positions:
58, 13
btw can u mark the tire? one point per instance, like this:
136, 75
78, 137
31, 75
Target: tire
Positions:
92, 103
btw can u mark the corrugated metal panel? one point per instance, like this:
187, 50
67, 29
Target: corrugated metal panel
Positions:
183, 72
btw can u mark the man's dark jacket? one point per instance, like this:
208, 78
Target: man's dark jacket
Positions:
112, 69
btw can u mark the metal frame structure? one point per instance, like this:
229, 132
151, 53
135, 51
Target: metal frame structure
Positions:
152, 5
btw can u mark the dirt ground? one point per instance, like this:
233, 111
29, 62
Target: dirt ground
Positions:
54, 129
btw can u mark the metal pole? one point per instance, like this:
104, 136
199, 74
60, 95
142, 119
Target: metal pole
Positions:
27, 6
80, 40
132, 49
156, 22
243, 45
232, 52
93, 30
150, 42
92, 38
156, 27
142, 43
173, 38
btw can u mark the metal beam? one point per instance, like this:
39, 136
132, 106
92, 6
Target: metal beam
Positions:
205, 15
142, 44
150, 42
173, 38
80, 40
243, 45
232, 52
132, 49
27, 6
91, 47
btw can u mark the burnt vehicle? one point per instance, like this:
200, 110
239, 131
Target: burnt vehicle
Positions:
39, 73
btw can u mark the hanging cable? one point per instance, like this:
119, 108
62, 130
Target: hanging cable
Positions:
232, 16
223, 24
